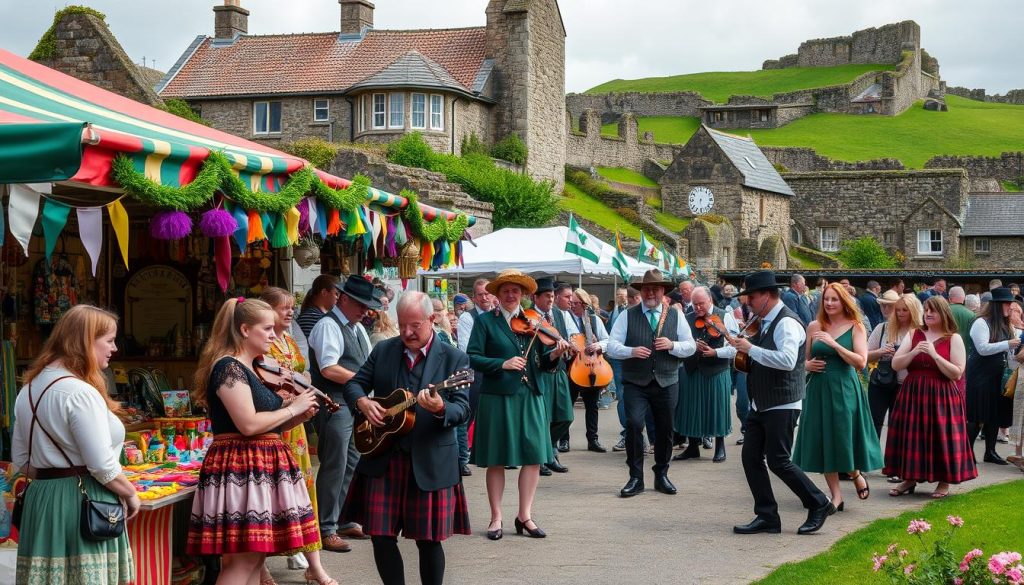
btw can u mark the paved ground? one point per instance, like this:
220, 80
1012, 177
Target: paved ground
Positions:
595, 537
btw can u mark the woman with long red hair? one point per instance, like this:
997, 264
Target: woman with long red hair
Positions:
836, 430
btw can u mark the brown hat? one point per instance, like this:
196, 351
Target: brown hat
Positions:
528, 284
654, 277
888, 297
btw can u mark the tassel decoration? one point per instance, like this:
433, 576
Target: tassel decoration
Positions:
170, 225
217, 223
256, 232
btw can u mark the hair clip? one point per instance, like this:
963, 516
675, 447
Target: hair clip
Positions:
241, 300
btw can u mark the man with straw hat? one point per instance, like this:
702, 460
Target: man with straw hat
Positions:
652, 341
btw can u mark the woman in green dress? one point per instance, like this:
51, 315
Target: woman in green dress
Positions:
511, 421
836, 430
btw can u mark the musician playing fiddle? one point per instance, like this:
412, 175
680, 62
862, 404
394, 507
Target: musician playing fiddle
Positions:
511, 421
704, 393
596, 344
414, 488
555, 385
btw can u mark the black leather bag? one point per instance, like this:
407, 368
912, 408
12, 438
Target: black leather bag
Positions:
100, 520
883, 376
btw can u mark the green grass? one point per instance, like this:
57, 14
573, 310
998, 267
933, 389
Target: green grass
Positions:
596, 211
806, 262
719, 85
666, 129
673, 223
627, 176
991, 523
1010, 186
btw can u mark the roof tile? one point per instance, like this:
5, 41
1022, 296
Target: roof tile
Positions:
994, 214
748, 159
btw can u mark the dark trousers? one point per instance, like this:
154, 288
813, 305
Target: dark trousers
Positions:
591, 397
739, 382
769, 438
661, 401
881, 400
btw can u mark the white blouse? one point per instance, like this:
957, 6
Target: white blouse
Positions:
77, 417
979, 335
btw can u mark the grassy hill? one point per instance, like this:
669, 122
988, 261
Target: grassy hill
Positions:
718, 86
968, 128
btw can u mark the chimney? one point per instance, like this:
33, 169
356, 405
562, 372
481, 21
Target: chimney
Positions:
230, 20
356, 15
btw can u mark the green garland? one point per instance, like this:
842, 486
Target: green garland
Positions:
343, 199
191, 196
236, 189
436, 229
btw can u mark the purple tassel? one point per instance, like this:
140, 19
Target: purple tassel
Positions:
303, 208
217, 223
390, 247
170, 225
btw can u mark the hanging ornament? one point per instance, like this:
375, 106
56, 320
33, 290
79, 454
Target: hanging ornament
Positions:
291, 220
217, 223
24, 209
256, 232
279, 237
409, 260
170, 225
242, 233
222, 258
303, 208
334, 223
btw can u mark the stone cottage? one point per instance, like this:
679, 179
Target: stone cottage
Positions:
368, 85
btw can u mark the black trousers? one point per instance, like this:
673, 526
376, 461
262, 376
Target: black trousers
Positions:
769, 439
661, 400
591, 397
881, 400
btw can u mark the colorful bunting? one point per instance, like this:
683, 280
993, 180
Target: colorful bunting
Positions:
222, 258
314, 215
242, 233
256, 229
55, 217
291, 222
24, 209
119, 220
90, 230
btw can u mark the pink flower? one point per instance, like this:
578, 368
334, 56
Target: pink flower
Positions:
903, 553
892, 548
973, 554
908, 569
958, 581
918, 527
1014, 557
955, 521
996, 565
1015, 575
878, 562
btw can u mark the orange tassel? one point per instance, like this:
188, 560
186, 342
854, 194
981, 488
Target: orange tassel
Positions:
255, 227
334, 223
426, 254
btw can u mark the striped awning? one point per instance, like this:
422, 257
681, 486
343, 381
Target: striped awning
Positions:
49, 120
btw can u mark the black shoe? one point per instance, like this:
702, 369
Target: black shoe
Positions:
557, 467
596, 447
495, 534
739, 441
563, 445
465, 471
706, 442
691, 452
511, 467
757, 526
532, 533
633, 487
719, 450
545, 471
664, 485
816, 519
993, 457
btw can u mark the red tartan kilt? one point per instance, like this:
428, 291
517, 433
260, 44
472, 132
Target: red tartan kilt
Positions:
392, 503
927, 439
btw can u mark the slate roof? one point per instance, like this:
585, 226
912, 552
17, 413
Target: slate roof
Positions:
411, 70
748, 159
994, 214
311, 63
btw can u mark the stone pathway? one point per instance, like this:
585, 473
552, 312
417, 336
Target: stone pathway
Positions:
597, 538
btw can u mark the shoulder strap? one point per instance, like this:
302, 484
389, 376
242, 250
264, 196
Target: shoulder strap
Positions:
32, 405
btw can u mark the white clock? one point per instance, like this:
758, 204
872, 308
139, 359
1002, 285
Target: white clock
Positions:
701, 200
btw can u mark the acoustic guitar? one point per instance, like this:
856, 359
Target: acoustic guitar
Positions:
400, 416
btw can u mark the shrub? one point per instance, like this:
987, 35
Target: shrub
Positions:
865, 252
511, 148
317, 151
471, 145
412, 151
180, 108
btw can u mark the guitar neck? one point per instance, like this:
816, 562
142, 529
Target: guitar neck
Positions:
411, 401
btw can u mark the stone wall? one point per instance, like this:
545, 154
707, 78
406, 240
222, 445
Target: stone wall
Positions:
1014, 96
611, 106
1006, 167
710, 247
87, 50
799, 159
471, 117
235, 116
588, 148
1003, 252
873, 45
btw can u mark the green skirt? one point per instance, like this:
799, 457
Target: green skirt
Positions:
557, 399
511, 430
704, 408
51, 550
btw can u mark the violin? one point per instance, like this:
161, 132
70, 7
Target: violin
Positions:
285, 381
753, 327
531, 322
712, 325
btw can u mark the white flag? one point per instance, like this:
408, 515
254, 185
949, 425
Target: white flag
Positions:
581, 243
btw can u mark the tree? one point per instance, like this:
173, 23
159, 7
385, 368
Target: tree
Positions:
865, 252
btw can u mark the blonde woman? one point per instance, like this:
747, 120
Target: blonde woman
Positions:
76, 440
383, 328
903, 315
251, 500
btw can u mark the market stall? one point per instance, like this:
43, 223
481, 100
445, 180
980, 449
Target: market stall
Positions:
109, 201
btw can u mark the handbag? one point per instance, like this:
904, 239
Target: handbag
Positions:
884, 377
1010, 384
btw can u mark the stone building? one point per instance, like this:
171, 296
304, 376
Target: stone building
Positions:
368, 85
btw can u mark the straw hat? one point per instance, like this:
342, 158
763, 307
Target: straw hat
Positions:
528, 284
889, 297
583, 296
655, 277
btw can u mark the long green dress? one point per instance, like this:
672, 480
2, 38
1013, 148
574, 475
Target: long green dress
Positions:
836, 432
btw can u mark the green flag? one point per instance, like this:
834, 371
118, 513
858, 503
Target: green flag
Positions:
582, 244
647, 253
619, 260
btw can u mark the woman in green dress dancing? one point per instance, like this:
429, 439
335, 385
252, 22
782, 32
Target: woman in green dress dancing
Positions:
836, 431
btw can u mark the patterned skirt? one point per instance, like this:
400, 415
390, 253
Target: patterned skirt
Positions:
296, 440
251, 497
927, 438
393, 503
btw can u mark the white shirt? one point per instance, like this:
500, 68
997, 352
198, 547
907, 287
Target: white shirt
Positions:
980, 333
464, 327
598, 326
727, 351
326, 339
875, 342
74, 413
616, 348
788, 336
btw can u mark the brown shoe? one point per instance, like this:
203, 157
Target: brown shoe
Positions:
335, 543
353, 533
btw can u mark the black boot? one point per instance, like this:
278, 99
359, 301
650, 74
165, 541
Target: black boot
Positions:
719, 450
692, 450
991, 433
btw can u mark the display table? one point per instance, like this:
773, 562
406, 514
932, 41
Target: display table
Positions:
151, 534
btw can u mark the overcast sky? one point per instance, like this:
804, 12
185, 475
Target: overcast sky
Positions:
976, 42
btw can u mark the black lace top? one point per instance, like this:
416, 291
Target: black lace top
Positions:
226, 371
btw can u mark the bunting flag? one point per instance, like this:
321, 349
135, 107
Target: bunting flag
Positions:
667, 260
582, 244
683, 267
291, 222
426, 254
55, 217
334, 223
222, 259
401, 236
90, 231
619, 260
24, 209
321, 219
242, 233
256, 227
119, 220
314, 215
647, 253
279, 235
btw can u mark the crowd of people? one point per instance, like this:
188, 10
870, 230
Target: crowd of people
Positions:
818, 376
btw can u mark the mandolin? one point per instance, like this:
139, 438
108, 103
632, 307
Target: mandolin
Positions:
588, 370
400, 417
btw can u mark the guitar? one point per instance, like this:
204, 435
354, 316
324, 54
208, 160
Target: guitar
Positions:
588, 370
400, 416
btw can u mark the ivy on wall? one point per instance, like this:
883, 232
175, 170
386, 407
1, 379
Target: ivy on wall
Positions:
46, 48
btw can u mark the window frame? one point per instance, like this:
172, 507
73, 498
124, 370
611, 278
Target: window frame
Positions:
931, 241
423, 111
361, 114
391, 110
431, 113
889, 238
834, 240
383, 111
986, 248
326, 108
267, 117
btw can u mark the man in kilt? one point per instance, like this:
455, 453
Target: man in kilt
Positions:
413, 488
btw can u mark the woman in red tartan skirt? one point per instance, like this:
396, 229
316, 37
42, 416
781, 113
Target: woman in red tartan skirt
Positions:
251, 500
927, 440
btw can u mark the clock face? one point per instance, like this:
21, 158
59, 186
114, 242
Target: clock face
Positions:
701, 200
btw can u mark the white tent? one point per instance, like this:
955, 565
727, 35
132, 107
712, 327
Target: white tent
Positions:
540, 252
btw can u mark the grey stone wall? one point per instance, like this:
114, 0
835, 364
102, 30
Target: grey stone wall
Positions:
235, 116
611, 106
799, 159
873, 45
589, 148
1006, 167
1003, 252
1014, 96
710, 247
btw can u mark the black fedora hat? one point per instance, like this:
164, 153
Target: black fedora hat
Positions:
1001, 294
760, 280
545, 284
362, 290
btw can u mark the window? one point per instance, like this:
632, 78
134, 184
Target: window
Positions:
929, 242
795, 236
889, 238
725, 259
718, 116
378, 111
266, 118
436, 112
321, 110
419, 110
361, 114
762, 115
981, 246
829, 238
396, 110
